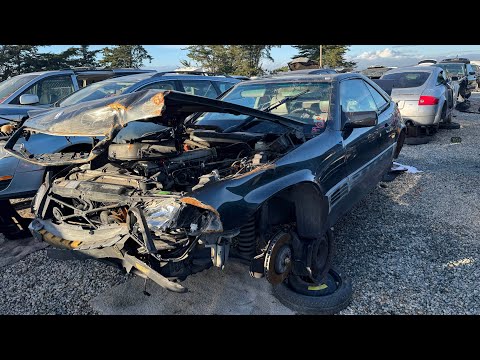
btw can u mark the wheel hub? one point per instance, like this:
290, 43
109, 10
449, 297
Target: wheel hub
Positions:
278, 258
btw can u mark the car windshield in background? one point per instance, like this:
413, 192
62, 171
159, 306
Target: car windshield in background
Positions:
453, 69
311, 106
403, 80
97, 91
8, 87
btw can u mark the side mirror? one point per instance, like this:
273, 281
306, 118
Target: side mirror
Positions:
360, 119
454, 78
28, 99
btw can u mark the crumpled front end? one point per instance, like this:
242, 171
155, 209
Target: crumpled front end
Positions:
154, 194
112, 217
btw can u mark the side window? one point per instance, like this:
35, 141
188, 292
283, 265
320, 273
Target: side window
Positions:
377, 97
161, 85
224, 86
200, 88
354, 96
440, 78
50, 89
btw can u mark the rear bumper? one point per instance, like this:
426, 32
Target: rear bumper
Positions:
428, 120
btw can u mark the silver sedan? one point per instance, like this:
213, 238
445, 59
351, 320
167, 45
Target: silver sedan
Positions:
423, 95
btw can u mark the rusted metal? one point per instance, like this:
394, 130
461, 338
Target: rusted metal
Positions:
256, 170
117, 106
194, 202
153, 275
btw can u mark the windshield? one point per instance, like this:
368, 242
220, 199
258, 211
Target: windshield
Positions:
453, 69
97, 91
310, 107
8, 87
403, 80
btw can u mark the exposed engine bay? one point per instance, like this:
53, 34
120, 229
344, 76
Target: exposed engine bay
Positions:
135, 199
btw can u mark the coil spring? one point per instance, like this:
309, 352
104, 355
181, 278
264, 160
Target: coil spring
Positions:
246, 240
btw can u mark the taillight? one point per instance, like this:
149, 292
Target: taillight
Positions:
428, 100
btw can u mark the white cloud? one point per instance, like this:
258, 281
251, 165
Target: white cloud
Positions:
386, 53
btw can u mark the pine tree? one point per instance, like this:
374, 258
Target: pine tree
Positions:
126, 56
332, 55
230, 59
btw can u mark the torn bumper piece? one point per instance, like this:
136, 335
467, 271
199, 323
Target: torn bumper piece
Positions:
53, 234
74, 237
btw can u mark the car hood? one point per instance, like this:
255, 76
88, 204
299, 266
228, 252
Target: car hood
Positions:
16, 112
99, 117
105, 118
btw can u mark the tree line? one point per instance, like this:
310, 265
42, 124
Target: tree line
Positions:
20, 59
247, 60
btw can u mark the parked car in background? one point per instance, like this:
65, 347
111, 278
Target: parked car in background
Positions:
427, 62
20, 179
476, 68
172, 194
460, 70
25, 92
422, 95
309, 72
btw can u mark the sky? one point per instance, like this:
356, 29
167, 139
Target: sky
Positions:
167, 57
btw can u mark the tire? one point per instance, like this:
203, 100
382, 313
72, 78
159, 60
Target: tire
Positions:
320, 302
450, 126
417, 140
445, 119
400, 143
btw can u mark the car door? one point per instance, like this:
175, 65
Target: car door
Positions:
49, 89
368, 150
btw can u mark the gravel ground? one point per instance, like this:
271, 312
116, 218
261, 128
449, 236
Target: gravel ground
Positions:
410, 247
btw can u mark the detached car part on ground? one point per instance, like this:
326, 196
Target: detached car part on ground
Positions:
170, 193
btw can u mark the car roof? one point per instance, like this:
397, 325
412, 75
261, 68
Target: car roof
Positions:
145, 76
39, 73
413, 69
303, 77
456, 60
309, 72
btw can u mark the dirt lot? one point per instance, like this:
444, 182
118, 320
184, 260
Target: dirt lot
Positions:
411, 247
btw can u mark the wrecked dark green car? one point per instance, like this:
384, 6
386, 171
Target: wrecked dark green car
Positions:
176, 183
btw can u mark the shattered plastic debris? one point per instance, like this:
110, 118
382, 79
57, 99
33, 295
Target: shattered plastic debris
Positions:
409, 169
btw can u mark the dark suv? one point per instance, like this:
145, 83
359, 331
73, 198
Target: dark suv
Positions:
477, 74
460, 69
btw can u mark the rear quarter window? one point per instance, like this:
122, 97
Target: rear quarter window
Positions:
408, 79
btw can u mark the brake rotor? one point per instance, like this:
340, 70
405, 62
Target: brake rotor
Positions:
278, 258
